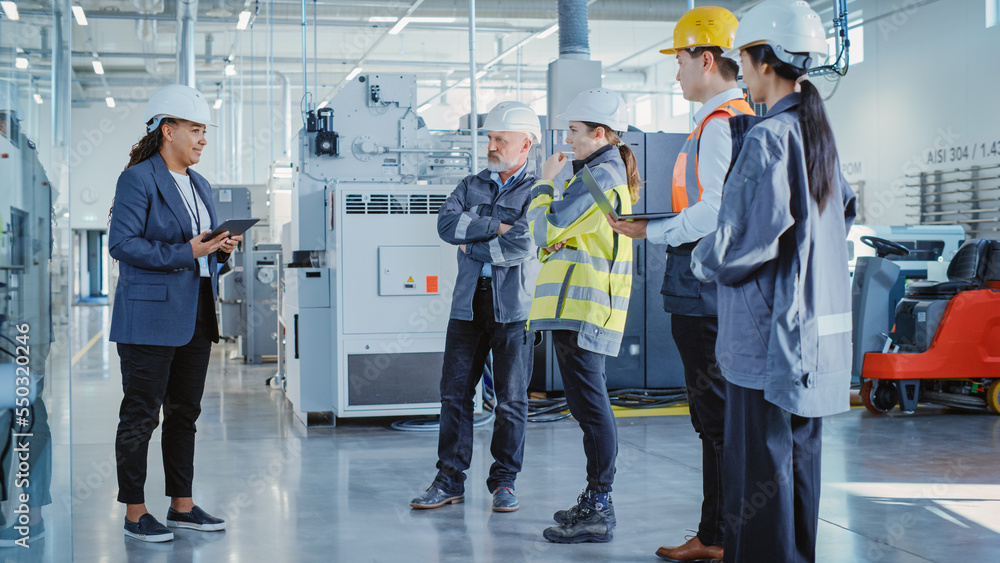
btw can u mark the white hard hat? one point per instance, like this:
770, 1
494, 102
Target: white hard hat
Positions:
599, 105
792, 29
179, 101
514, 116
9, 100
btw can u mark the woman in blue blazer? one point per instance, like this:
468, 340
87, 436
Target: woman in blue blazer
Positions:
164, 313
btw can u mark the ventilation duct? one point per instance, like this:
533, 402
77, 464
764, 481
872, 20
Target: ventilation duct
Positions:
574, 42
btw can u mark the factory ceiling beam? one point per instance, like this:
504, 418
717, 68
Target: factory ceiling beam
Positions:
619, 10
363, 23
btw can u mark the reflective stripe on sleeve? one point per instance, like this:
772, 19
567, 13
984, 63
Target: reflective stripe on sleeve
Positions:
833, 324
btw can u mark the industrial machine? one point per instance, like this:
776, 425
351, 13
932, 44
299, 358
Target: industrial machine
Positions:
248, 302
926, 252
648, 358
365, 294
248, 284
944, 347
25, 250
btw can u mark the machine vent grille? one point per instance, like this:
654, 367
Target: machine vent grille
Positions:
378, 204
355, 204
382, 204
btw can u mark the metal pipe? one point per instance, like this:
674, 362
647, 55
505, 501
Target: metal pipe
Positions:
473, 110
286, 107
270, 68
253, 124
187, 12
305, 78
61, 75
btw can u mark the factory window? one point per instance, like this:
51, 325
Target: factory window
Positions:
856, 34
644, 112
992, 13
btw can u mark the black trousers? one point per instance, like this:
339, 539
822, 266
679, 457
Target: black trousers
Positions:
586, 387
171, 377
772, 471
466, 347
706, 390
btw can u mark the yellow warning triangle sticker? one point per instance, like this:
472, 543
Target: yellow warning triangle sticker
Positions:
410, 280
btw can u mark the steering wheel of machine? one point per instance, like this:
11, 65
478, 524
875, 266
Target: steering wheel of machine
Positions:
885, 247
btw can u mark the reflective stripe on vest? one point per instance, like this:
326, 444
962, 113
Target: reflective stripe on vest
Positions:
687, 185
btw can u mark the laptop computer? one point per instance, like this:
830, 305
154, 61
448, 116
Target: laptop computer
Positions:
602, 200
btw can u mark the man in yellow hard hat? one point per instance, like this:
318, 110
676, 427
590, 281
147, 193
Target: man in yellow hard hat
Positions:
700, 37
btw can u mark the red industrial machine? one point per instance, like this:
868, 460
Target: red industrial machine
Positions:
945, 346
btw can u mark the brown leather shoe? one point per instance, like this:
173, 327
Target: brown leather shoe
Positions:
693, 551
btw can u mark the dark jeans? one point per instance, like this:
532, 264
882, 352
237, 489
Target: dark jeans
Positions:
466, 347
587, 395
772, 469
171, 377
706, 390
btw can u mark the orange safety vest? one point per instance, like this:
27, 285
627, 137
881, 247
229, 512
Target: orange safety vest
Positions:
687, 185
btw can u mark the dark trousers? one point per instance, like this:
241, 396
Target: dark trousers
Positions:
772, 469
172, 377
586, 388
467, 345
706, 390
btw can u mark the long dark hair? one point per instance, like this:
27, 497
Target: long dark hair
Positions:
820, 147
631, 168
148, 145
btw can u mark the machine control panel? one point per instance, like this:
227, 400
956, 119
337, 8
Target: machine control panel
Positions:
409, 270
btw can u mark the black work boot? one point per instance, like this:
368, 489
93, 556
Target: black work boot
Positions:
563, 516
593, 521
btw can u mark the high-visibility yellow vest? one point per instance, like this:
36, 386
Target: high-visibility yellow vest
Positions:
586, 285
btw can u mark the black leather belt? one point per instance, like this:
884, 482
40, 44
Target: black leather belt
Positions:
484, 283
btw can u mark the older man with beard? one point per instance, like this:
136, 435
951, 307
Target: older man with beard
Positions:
497, 267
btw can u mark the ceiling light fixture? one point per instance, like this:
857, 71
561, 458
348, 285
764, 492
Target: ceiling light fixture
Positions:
110, 101
395, 29
98, 67
218, 103
243, 21
230, 69
10, 8
552, 29
81, 18
383, 19
20, 62
38, 98
353, 74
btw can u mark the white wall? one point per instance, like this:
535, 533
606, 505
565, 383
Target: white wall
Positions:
927, 82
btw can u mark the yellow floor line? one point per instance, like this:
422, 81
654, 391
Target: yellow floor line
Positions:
623, 412
78, 355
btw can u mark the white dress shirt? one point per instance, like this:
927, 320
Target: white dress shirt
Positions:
714, 156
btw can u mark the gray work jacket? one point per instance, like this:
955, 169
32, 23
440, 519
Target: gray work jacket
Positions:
781, 267
471, 216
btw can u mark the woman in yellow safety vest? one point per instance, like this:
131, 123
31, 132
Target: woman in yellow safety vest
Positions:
582, 292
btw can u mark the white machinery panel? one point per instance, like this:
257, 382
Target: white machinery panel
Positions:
409, 270
370, 218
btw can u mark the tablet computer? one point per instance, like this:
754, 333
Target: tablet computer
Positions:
605, 206
234, 226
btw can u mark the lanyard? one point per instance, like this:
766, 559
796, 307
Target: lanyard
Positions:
195, 213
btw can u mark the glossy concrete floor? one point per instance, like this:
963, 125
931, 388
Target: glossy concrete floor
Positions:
923, 487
